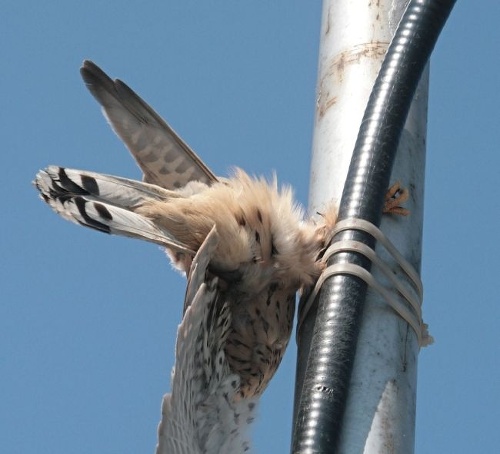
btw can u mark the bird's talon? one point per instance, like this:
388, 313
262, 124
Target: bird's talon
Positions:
395, 197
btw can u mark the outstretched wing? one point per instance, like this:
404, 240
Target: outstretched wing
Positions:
163, 156
202, 414
106, 203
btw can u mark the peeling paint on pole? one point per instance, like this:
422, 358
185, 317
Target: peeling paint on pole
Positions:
354, 40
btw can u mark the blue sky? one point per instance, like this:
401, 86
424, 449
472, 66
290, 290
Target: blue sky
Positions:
88, 321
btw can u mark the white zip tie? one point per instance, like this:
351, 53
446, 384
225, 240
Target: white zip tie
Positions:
411, 290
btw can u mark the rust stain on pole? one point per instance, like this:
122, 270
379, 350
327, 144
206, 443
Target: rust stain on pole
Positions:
338, 66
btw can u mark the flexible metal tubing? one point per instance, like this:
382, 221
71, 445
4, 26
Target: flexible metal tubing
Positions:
323, 384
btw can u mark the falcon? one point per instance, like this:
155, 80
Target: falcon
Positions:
256, 249
265, 253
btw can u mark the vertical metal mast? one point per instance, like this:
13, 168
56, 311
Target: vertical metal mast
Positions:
378, 415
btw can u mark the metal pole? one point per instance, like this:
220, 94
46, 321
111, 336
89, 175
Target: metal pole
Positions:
380, 410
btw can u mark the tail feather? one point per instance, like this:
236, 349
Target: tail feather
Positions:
105, 203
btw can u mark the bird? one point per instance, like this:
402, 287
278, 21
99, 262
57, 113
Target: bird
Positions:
266, 252
265, 249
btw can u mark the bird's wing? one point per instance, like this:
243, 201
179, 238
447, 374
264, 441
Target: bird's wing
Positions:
201, 414
163, 156
106, 203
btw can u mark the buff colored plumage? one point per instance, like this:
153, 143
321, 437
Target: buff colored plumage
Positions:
243, 243
254, 252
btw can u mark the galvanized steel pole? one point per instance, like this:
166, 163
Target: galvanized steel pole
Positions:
379, 414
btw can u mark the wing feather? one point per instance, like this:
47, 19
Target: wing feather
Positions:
163, 156
202, 413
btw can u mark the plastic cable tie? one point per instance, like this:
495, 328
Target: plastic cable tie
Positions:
399, 289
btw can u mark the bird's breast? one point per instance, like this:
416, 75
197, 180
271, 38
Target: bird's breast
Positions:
260, 331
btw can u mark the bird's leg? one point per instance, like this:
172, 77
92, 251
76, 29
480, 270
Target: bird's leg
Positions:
396, 195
